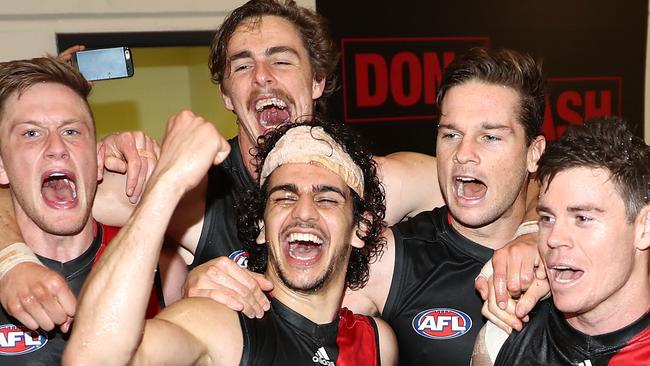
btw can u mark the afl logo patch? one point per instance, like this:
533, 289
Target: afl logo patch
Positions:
240, 257
442, 323
19, 340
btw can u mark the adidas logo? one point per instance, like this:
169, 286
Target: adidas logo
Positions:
585, 363
321, 358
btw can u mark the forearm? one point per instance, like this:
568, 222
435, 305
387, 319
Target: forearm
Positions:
111, 205
112, 308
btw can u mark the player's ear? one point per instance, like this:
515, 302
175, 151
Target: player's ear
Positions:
360, 230
535, 151
317, 87
227, 101
101, 152
261, 237
642, 224
4, 179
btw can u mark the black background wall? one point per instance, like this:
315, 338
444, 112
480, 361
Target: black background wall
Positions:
593, 52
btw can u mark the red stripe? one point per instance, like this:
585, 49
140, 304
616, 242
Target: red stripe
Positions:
356, 340
637, 352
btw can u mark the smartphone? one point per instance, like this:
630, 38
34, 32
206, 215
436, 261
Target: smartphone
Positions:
104, 63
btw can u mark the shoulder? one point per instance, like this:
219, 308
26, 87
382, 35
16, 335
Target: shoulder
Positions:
424, 226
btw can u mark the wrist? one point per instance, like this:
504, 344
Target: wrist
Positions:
15, 254
527, 227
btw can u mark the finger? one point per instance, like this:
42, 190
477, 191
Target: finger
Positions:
242, 288
505, 316
65, 327
513, 271
495, 320
262, 284
481, 285
480, 282
34, 308
115, 164
499, 264
26, 319
527, 274
538, 290
68, 301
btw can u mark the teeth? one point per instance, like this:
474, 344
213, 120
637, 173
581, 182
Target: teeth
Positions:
561, 268
305, 237
57, 175
270, 101
464, 179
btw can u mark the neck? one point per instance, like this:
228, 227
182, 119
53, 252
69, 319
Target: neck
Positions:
499, 232
629, 303
321, 307
61, 248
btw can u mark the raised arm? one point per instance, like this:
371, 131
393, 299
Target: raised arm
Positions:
411, 183
113, 301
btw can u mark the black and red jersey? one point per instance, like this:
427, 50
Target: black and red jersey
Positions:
284, 337
549, 340
219, 232
432, 305
21, 346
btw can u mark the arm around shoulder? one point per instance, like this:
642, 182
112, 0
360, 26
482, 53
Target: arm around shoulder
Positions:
411, 183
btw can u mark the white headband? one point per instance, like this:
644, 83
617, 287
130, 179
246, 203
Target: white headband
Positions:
307, 144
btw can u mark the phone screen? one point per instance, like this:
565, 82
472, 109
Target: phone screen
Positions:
105, 63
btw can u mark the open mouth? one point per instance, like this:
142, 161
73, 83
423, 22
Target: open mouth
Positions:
272, 112
58, 189
470, 188
564, 274
304, 248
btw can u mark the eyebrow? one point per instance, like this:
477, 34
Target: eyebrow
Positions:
42, 125
268, 52
484, 126
318, 188
572, 209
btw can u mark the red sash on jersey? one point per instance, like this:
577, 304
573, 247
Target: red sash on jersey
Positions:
155, 305
358, 345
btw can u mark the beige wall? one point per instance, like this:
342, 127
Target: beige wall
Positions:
166, 79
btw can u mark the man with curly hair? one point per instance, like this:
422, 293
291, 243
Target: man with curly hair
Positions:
315, 219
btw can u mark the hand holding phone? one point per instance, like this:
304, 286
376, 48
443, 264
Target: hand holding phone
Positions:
104, 63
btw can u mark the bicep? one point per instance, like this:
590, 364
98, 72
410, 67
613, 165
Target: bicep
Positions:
192, 331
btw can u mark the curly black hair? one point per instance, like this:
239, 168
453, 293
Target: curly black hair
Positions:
369, 211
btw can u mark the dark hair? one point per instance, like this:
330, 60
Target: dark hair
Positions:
323, 55
502, 67
369, 210
603, 143
18, 76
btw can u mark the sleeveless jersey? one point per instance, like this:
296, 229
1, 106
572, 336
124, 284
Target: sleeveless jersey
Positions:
432, 305
219, 233
21, 346
284, 337
548, 339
